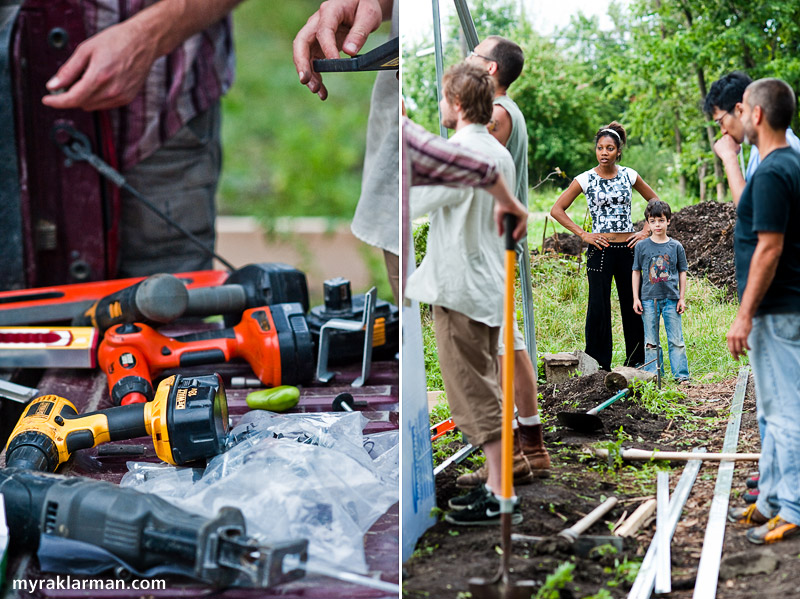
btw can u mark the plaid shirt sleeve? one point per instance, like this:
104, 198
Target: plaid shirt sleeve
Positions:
434, 161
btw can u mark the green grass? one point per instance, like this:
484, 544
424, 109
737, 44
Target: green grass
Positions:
286, 153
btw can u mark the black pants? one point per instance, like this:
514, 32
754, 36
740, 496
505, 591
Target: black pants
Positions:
614, 262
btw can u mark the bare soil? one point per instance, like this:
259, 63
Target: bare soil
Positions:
447, 556
706, 232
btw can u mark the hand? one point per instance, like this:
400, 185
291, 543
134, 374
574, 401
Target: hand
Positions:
681, 306
737, 336
520, 213
595, 239
726, 147
636, 238
344, 24
637, 306
105, 71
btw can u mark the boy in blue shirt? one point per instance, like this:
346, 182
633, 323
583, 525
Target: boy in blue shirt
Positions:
662, 291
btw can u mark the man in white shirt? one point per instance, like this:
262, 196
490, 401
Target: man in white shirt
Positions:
462, 277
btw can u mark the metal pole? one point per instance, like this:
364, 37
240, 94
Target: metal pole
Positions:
467, 24
437, 47
663, 575
708, 569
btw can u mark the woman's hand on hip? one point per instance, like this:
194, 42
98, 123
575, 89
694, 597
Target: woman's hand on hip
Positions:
636, 238
598, 240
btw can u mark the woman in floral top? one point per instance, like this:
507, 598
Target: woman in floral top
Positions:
608, 189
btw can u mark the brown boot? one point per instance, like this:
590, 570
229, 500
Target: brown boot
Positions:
529, 441
522, 473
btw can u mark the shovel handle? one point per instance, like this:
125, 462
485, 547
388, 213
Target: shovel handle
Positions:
507, 438
609, 401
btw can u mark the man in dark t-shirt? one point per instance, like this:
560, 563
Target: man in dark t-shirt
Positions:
767, 255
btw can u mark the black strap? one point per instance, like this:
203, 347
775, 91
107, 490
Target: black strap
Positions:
12, 265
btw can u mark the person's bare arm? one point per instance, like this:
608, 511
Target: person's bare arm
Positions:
559, 212
681, 308
337, 25
108, 69
648, 194
506, 203
762, 271
636, 280
500, 125
728, 151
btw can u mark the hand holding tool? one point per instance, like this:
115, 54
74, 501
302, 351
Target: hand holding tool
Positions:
188, 420
501, 585
143, 530
274, 340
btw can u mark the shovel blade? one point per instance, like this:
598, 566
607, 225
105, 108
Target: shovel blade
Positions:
580, 421
483, 588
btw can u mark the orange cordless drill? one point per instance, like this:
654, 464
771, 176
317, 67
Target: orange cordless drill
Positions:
274, 340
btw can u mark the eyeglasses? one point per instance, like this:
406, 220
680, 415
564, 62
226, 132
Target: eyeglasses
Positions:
720, 119
473, 53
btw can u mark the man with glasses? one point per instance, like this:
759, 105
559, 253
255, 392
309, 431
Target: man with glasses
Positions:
503, 60
724, 104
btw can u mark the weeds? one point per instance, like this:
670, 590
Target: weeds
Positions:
556, 581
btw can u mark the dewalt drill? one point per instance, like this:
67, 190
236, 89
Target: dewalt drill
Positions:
274, 340
187, 419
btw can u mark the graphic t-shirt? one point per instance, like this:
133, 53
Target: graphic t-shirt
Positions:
660, 264
609, 199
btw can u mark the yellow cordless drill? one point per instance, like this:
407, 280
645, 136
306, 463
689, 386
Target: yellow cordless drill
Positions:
187, 419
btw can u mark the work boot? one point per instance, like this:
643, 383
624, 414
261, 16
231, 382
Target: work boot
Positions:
777, 529
529, 441
746, 515
522, 473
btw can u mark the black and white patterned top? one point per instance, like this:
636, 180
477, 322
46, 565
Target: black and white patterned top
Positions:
609, 199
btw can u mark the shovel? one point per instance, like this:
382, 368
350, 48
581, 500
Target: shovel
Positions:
588, 422
500, 587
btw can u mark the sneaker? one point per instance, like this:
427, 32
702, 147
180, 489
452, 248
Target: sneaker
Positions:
483, 512
522, 474
462, 502
773, 531
746, 515
750, 496
752, 481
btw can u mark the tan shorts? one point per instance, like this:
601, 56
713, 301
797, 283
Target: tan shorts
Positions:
519, 340
468, 359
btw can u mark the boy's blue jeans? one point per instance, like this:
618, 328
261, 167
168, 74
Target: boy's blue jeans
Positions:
775, 357
654, 310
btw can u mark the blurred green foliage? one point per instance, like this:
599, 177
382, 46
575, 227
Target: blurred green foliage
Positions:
287, 153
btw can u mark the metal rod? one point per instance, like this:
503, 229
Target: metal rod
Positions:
467, 24
457, 457
16, 392
528, 317
291, 563
708, 569
437, 47
663, 576
643, 585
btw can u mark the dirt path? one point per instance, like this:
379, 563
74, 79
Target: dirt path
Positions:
447, 556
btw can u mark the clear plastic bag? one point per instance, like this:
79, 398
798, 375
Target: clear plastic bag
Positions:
293, 476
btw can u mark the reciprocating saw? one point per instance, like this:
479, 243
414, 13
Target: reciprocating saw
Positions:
143, 530
274, 340
187, 419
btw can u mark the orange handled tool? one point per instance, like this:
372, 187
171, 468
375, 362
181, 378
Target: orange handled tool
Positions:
507, 442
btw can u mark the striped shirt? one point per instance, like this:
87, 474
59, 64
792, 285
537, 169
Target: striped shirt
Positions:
180, 86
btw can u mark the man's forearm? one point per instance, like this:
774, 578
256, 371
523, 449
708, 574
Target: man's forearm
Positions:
169, 23
759, 277
736, 181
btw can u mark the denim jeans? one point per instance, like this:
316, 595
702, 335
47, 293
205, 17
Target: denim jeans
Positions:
654, 310
775, 358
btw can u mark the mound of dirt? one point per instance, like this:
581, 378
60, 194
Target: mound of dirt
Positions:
706, 232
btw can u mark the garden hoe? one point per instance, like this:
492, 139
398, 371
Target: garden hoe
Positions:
500, 587
588, 422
